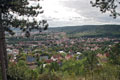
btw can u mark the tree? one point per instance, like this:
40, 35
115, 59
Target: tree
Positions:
0, 74
8, 20
20, 71
91, 61
114, 54
107, 6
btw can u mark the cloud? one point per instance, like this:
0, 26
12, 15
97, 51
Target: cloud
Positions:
74, 12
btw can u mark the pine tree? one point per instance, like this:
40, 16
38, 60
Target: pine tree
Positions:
8, 20
107, 6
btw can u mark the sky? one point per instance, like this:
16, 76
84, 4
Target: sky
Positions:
60, 13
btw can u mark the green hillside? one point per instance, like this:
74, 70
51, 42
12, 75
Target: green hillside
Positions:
90, 30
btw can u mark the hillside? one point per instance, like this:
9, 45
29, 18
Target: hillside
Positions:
90, 30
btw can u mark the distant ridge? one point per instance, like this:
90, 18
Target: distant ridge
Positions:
110, 30
90, 30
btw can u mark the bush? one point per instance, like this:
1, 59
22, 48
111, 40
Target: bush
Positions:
49, 76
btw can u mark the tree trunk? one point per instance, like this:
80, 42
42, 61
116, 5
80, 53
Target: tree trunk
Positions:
2, 56
4, 50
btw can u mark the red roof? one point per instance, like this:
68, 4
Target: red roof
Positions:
107, 54
68, 56
57, 56
49, 61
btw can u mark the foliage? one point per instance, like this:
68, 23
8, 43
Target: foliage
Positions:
85, 68
17, 14
73, 66
107, 6
49, 76
23, 9
22, 56
20, 71
114, 54
91, 60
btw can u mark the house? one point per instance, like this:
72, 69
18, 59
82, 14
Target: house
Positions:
59, 62
32, 66
49, 61
9, 51
30, 59
102, 57
15, 52
44, 57
68, 56
61, 52
78, 53
56, 57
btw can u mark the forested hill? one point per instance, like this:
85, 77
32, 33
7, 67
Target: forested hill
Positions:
90, 30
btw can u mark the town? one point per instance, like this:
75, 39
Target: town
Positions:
56, 51
52, 46
59, 40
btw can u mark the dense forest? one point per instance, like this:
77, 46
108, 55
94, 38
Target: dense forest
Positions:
90, 30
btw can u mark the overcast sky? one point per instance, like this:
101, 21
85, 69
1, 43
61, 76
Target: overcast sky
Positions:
74, 12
